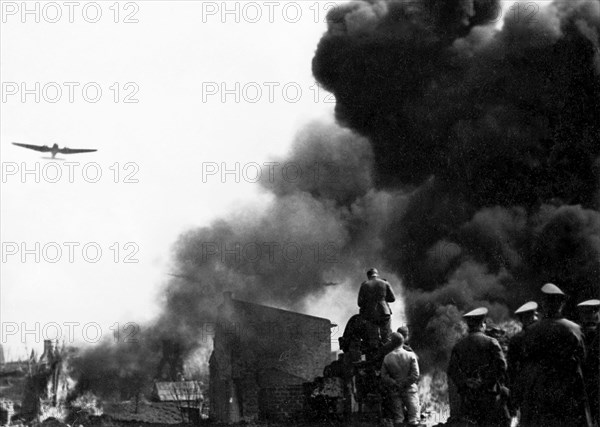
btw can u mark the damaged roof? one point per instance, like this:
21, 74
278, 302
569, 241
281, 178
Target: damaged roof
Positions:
177, 391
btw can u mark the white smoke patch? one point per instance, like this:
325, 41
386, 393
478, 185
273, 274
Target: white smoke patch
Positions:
195, 365
511, 8
478, 39
365, 17
533, 25
399, 317
339, 302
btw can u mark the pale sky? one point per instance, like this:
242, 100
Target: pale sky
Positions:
177, 54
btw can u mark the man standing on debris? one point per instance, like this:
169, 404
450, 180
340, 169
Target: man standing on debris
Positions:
551, 386
478, 369
527, 316
589, 315
373, 299
400, 369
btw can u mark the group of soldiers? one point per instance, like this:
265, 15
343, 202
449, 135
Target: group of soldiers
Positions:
548, 376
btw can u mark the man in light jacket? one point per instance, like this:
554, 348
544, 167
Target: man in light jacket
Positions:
400, 370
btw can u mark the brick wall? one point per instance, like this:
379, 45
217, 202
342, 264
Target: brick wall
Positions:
268, 349
249, 398
281, 403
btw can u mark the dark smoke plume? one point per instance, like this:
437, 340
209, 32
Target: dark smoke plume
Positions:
466, 169
313, 239
500, 131
473, 107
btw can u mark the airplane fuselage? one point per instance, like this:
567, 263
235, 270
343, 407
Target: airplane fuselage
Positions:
55, 149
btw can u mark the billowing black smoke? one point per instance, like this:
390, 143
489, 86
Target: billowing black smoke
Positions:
466, 169
500, 132
439, 96
280, 252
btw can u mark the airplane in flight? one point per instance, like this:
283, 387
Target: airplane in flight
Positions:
54, 150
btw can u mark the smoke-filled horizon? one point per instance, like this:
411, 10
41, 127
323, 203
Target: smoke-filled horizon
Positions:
307, 249
464, 167
499, 132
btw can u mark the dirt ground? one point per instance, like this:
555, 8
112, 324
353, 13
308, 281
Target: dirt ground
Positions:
206, 423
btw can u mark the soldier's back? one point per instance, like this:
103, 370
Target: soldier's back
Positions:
373, 298
552, 383
477, 367
514, 359
475, 353
591, 371
556, 343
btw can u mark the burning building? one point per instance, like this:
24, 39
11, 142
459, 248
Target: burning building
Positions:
262, 356
170, 366
47, 384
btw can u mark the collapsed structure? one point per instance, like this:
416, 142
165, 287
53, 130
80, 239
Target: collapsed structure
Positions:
261, 358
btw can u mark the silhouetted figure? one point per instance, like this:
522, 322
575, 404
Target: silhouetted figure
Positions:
478, 369
589, 315
527, 316
373, 299
551, 389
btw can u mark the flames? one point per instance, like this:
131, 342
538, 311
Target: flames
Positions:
433, 396
87, 404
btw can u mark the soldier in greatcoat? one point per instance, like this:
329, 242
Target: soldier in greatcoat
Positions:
527, 315
589, 313
477, 367
551, 386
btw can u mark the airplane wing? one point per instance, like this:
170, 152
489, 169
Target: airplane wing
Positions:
75, 150
42, 148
